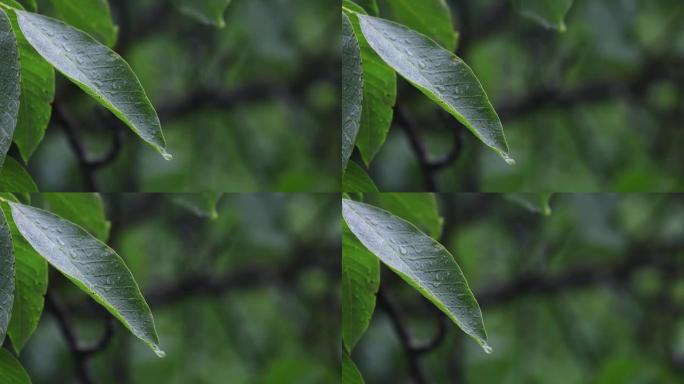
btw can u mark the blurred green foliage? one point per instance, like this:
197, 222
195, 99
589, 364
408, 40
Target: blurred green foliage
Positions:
592, 293
246, 107
596, 108
276, 319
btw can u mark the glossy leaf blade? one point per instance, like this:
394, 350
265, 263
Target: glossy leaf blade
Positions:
90, 16
420, 209
37, 94
10, 84
6, 276
420, 261
97, 70
206, 11
31, 285
360, 283
352, 86
548, 13
14, 178
84, 209
91, 265
350, 373
379, 96
432, 18
355, 179
440, 75
11, 371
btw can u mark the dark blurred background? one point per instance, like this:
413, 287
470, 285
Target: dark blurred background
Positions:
250, 107
596, 108
593, 293
251, 297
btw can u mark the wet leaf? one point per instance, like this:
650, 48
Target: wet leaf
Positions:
84, 209
14, 178
432, 18
421, 261
11, 371
10, 86
420, 209
350, 374
97, 70
90, 264
90, 16
352, 86
355, 179
440, 75
6, 276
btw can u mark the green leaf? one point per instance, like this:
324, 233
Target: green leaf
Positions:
90, 16
31, 285
548, 13
352, 86
37, 94
360, 282
421, 261
379, 96
97, 70
10, 84
420, 209
11, 371
91, 265
441, 75
6, 276
84, 209
206, 11
432, 18
534, 202
355, 179
31, 5
202, 204
14, 178
350, 373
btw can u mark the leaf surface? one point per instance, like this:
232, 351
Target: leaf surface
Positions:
97, 70
206, 11
91, 265
548, 13
11, 371
534, 202
202, 204
90, 16
352, 89
31, 285
420, 209
14, 178
355, 179
37, 94
432, 18
6, 276
10, 84
360, 282
84, 209
350, 373
440, 75
379, 95
421, 261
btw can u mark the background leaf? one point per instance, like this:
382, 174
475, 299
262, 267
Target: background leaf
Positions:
97, 70
91, 265
432, 18
352, 86
207, 11
350, 374
90, 16
379, 95
355, 179
202, 204
37, 93
534, 202
30, 287
11, 371
420, 209
15, 178
84, 209
6, 276
441, 75
360, 283
420, 261
9, 84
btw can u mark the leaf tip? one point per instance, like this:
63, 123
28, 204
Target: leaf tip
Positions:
507, 158
165, 154
158, 351
487, 348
